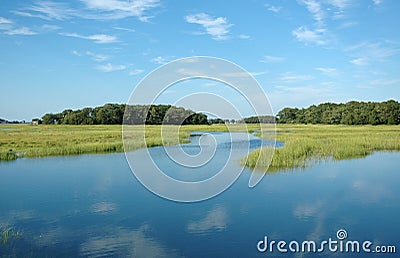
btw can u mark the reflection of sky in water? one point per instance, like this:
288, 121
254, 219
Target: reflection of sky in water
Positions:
92, 205
215, 220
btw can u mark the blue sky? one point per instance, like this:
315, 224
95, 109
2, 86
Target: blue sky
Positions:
71, 54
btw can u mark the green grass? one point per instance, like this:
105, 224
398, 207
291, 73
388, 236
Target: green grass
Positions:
307, 144
8, 234
49, 140
304, 144
55, 140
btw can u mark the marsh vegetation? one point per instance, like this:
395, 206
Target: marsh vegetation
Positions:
303, 144
306, 144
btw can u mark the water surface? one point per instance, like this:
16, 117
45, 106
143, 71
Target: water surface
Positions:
92, 205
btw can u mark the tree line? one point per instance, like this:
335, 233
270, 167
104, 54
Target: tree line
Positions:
135, 114
351, 113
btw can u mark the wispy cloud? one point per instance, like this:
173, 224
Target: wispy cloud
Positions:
377, 2
20, 31
5, 21
124, 29
76, 53
97, 38
110, 67
315, 8
327, 71
304, 91
273, 8
303, 34
161, 59
93, 9
368, 52
93, 56
49, 27
320, 12
385, 82
244, 36
97, 57
136, 71
218, 27
119, 9
290, 77
359, 61
6, 24
272, 59
381, 50
48, 10
339, 7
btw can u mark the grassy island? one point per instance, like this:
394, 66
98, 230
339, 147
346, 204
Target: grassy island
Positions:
305, 144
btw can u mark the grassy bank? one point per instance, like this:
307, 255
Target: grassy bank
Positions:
54, 140
306, 144
48, 140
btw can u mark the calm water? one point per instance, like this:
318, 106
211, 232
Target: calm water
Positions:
92, 205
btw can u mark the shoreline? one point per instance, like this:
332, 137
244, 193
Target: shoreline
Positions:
304, 145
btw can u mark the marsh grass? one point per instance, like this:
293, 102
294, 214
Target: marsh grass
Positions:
55, 140
8, 234
49, 140
306, 144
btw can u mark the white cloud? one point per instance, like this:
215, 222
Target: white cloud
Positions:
244, 36
273, 8
370, 52
290, 77
272, 59
5, 24
119, 9
97, 57
124, 29
340, 4
20, 31
95, 9
110, 67
304, 91
76, 53
303, 34
327, 71
377, 2
385, 82
161, 59
360, 61
49, 27
48, 10
218, 28
321, 10
136, 72
97, 38
315, 8
378, 50
5, 21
